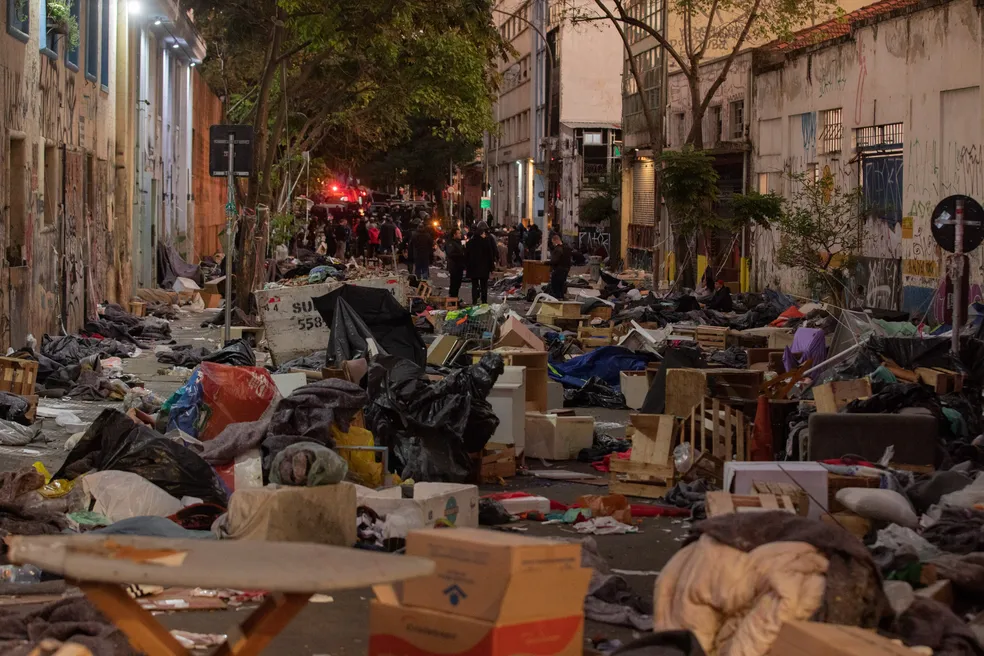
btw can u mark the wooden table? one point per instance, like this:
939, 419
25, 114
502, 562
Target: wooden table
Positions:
290, 571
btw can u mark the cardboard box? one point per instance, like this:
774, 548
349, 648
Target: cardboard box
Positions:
816, 639
556, 437
400, 630
811, 476
495, 576
455, 502
635, 387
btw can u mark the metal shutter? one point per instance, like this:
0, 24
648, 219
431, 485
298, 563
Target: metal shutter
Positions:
642, 193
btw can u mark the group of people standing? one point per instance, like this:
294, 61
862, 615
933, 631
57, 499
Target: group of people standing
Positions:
482, 252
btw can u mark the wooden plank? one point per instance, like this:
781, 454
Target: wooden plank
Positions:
728, 410
833, 396
715, 441
640, 471
653, 441
644, 490
143, 631
740, 438
719, 503
768, 502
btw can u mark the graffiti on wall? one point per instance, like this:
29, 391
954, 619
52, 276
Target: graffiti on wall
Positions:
882, 184
881, 280
589, 242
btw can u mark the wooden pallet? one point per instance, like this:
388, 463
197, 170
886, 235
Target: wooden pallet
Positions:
798, 495
943, 381
595, 337
712, 337
716, 428
18, 376
639, 479
722, 503
603, 312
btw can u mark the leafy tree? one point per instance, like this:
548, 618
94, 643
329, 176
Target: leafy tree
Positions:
599, 206
820, 230
342, 79
421, 160
754, 208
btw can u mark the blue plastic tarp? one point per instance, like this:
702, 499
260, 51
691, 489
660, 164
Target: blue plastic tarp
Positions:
605, 363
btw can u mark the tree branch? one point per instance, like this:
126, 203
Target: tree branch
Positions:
663, 42
707, 30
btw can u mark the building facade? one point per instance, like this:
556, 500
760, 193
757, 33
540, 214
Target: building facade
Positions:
888, 98
85, 117
535, 168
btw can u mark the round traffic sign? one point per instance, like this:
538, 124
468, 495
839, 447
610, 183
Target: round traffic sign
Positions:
944, 223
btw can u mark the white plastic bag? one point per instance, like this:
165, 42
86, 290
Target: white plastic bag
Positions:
121, 495
885, 505
967, 497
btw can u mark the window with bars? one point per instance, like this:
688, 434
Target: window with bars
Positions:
831, 131
880, 137
736, 116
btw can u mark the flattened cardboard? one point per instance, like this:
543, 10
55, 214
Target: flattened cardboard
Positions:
533, 578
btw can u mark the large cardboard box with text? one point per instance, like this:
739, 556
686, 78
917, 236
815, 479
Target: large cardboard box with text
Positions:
492, 594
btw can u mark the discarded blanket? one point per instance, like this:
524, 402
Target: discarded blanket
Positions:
610, 598
853, 593
958, 530
16, 519
67, 620
605, 363
307, 463
736, 602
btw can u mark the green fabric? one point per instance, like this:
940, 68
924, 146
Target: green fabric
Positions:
957, 424
884, 375
898, 328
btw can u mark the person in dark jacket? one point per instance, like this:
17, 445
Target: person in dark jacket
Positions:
422, 245
560, 266
480, 253
455, 252
721, 299
387, 235
532, 243
341, 238
512, 246
362, 238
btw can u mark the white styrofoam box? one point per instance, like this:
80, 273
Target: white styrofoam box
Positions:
555, 395
811, 476
512, 376
287, 383
456, 502
508, 401
520, 505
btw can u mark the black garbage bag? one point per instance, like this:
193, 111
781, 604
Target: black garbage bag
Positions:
492, 513
733, 357
14, 407
431, 427
388, 322
236, 353
349, 336
595, 393
114, 441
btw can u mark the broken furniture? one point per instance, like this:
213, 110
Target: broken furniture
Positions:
19, 377
635, 387
291, 572
508, 401
686, 388
914, 436
717, 428
649, 470
535, 272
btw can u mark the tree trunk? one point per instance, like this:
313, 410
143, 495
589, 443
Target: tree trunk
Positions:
696, 136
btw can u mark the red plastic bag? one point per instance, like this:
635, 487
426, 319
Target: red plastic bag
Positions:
233, 394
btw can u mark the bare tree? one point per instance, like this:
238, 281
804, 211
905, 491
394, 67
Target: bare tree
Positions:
702, 30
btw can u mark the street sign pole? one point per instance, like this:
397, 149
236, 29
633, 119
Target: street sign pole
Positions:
958, 271
230, 215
